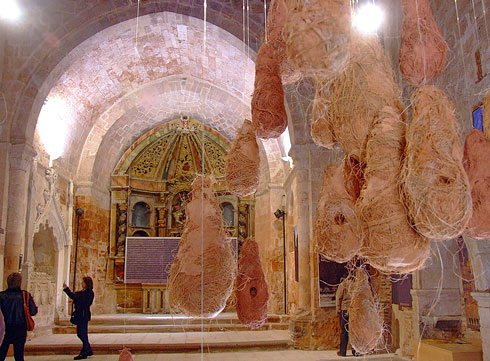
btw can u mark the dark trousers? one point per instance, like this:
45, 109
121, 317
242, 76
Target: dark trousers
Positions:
16, 336
344, 331
82, 333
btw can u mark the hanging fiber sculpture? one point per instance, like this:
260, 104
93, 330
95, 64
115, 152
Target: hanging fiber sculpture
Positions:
435, 186
251, 288
476, 164
357, 95
318, 36
125, 355
204, 265
276, 38
268, 112
365, 321
321, 127
353, 176
486, 115
391, 244
423, 49
337, 232
243, 162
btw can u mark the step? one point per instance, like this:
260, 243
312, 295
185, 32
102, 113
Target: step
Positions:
139, 323
165, 342
165, 328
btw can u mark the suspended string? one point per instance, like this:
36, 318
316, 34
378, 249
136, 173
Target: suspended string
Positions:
202, 201
485, 19
421, 40
265, 21
460, 42
137, 28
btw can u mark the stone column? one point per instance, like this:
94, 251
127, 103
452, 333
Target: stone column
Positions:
479, 252
21, 159
483, 299
301, 161
4, 186
435, 292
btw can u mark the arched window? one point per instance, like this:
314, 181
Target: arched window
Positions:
228, 214
140, 215
140, 233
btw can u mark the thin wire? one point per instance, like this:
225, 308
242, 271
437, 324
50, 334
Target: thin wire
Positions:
476, 24
202, 204
461, 43
248, 29
265, 20
485, 18
137, 27
421, 41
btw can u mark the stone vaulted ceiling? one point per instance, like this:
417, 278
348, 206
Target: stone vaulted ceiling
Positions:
131, 74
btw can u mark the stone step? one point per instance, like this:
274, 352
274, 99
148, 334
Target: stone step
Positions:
164, 342
165, 319
166, 328
140, 323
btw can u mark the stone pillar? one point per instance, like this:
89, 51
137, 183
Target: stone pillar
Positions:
4, 186
483, 299
21, 159
436, 294
479, 252
301, 161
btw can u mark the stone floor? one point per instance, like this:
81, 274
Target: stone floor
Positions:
286, 355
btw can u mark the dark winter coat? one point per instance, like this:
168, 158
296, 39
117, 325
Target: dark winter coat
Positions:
82, 301
12, 306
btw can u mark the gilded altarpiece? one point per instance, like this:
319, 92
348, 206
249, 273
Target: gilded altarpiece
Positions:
150, 190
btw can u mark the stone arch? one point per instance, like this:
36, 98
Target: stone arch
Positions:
57, 38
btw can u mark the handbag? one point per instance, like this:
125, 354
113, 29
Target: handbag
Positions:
73, 319
29, 320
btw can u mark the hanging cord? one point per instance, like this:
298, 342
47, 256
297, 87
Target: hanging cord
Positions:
202, 202
137, 28
460, 42
421, 40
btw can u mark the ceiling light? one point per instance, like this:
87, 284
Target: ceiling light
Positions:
9, 10
53, 126
368, 18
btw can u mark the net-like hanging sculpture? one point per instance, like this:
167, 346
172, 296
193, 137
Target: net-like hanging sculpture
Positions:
243, 162
391, 244
251, 288
321, 126
365, 320
423, 49
477, 166
203, 272
125, 355
318, 36
355, 98
276, 38
337, 232
269, 116
435, 185
353, 176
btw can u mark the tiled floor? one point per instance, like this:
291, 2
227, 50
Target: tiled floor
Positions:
287, 355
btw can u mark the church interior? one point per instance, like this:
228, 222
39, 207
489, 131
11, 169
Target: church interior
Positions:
219, 167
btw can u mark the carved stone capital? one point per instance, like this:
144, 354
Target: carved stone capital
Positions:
21, 157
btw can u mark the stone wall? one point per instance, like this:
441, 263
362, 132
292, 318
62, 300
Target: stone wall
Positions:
92, 251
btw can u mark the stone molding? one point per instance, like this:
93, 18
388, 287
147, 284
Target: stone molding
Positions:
21, 156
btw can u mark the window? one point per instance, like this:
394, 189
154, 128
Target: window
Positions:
140, 215
228, 214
